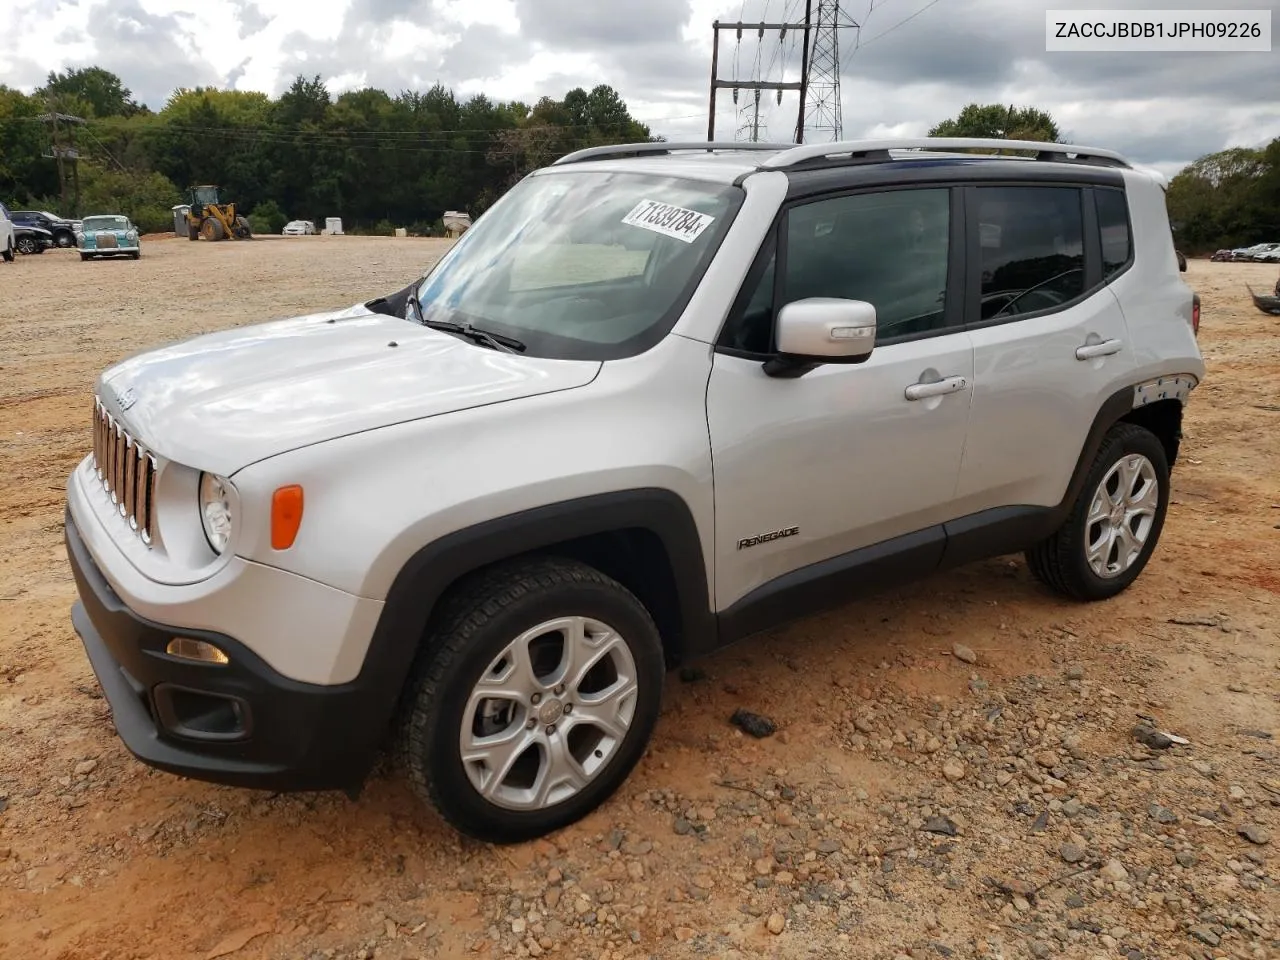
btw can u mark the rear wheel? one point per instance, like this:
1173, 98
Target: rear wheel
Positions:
212, 229
243, 230
193, 232
1115, 523
28, 245
7, 253
533, 698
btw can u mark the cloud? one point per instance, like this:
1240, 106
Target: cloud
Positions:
899, 78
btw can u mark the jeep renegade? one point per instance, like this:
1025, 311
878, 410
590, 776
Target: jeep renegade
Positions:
658, 398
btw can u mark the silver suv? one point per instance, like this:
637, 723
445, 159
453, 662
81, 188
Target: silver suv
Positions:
658, 398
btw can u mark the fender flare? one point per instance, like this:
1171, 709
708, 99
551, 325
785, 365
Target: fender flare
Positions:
430, 571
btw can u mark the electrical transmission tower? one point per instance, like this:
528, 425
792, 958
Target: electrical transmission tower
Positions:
823, 116
819, 82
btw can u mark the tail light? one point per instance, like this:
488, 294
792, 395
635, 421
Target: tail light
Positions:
1195, 314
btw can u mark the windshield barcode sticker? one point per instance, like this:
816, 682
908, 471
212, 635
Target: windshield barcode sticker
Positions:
668, 220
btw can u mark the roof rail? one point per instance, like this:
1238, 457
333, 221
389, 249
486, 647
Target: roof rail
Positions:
878, 150
661, 147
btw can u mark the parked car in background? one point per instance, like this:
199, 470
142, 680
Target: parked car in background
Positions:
298, 228
1268, 256
108, 235
1250, 254
31, 240
1221, 256
6, 235
63, 231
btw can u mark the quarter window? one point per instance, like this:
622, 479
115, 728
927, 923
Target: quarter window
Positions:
1113, 224
1031, 249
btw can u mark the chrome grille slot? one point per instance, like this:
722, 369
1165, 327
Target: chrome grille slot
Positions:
107, 241
127, 471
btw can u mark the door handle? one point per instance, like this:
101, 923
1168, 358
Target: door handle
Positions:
921, 391
1091, 351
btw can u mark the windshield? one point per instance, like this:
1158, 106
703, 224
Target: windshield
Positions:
582, 264
105, 223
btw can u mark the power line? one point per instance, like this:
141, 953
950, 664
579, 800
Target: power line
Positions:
904, 20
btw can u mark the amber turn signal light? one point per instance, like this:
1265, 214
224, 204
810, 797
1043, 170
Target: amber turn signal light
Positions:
286, 516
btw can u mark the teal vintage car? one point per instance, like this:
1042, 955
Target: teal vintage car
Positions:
110, 235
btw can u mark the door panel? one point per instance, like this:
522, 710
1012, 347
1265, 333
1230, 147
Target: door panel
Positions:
1039, 378
839, 454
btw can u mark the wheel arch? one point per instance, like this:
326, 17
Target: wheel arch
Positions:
645, 538
1156, 405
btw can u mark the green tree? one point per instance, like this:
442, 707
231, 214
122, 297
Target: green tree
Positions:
1001, 122
101, 92
146, 199
1227, 199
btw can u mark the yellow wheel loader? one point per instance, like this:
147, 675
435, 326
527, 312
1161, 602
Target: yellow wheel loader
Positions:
212, 220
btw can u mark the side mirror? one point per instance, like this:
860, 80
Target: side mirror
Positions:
822, 330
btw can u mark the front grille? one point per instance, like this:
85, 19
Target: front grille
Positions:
106, 241
127, 472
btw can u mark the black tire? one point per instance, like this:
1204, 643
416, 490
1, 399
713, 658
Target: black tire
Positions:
86, 256
212, 229
135, 255
64, 239
1061, 563
27, 246
480, 619
7, 253
243, 230
193, 232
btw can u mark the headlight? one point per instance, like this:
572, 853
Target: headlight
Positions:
131, 236
215, 511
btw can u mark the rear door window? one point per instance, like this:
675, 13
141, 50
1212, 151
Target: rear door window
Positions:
1030, 249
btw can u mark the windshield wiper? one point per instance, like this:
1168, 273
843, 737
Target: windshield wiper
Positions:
495, 340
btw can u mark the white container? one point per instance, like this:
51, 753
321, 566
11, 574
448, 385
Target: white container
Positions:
333, 225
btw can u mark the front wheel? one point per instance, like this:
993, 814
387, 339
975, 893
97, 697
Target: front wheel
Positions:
1115, 522
64, 239
28, 245
533, 699
86, 256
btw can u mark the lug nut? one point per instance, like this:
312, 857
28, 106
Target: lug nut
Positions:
568, 708
536, 698
551, 728
531, 724
559, 689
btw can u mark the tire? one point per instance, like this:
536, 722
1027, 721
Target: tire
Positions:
243, 230
64, 239
27, 246
135, 255
1062, 561
483, 621
212, 229
193, 233
86, 256
7, 254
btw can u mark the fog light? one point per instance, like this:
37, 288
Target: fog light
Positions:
189, 649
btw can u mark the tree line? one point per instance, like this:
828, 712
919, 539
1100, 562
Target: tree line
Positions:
372, 158
379, 160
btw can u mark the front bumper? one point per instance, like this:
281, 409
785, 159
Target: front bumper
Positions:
242, 723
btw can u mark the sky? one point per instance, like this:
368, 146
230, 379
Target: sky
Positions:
909, 63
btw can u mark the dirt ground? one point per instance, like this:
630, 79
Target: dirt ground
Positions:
912, 804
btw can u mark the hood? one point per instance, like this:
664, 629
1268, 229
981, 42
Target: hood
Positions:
224, 400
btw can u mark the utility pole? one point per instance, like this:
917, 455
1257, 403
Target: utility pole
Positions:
804, 70
735, 84
61, 151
